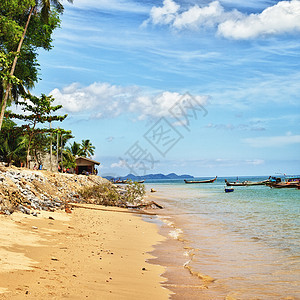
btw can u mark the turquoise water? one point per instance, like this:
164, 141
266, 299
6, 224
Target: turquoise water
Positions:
248, 240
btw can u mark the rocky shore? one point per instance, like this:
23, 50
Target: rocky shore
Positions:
30, 191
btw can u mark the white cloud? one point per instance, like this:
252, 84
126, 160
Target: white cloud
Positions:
102, 100
120, 164
273, 141
165, 14
255, 162
160, 105
284, 17
207, 16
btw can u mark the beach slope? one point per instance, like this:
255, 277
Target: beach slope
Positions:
91, 253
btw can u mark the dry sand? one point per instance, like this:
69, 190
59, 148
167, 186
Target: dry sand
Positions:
89, 254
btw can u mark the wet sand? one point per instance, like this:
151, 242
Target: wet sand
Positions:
88, 254
205, 261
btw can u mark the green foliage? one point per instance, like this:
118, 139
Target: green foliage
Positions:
40, 110
13, 144
135, 191
103, 194
68, 160
87, 148
14, 15
108, 194
75, 149
5, 62
39, 146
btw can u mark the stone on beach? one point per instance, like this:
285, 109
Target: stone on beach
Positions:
27, 190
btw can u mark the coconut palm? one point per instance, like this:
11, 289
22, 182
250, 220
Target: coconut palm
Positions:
87, 148
69, 160
13, 144
75, 149
44, 7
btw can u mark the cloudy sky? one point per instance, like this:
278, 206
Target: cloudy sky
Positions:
187, 86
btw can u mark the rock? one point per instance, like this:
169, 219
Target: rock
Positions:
54, 258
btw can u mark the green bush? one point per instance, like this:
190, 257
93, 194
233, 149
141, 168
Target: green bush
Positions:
135, 192
109, 195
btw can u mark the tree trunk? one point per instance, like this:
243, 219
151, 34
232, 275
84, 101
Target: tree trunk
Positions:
7, 92
57, 141
29, 144
50, 148
61, 153
28, 151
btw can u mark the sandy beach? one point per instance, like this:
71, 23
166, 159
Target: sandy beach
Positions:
91, 253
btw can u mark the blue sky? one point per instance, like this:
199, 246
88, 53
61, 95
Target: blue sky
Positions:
123, 70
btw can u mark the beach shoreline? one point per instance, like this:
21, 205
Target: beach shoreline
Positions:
205, 258
175, 254
88, 254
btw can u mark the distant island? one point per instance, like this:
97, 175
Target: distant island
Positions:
152, 176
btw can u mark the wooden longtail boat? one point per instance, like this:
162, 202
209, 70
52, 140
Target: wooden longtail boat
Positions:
246, 183
121, 181
126, 181
201, 181
292, 182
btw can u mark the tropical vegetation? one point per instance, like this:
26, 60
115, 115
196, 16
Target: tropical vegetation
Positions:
26, 26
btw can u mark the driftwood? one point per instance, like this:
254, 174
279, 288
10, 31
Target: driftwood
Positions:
144, 205
75, 205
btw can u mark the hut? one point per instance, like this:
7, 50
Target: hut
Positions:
84, 165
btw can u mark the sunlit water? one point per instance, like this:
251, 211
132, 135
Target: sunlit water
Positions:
248, 241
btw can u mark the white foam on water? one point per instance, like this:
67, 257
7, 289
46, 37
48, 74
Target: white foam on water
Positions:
175, 234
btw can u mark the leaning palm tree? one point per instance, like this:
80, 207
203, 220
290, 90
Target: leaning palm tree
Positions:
87, 148
44, 6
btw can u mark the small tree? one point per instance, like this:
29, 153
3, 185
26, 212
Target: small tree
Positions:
39, 109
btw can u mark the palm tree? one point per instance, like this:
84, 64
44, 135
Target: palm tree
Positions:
44, 6
13, 148
75, 149
87, 148
69, 160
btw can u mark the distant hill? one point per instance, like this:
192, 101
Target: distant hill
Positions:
154, 176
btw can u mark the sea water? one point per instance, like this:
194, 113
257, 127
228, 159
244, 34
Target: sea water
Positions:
241, 245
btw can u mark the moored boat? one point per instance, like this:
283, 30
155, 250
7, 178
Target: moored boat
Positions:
289, 182
125, 181
228, 189
201, 181
121, 181
246, 183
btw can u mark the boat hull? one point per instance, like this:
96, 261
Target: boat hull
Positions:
201, 181
246, 183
